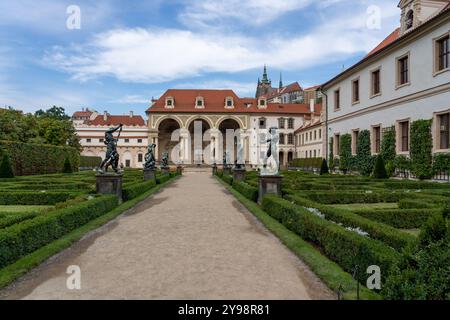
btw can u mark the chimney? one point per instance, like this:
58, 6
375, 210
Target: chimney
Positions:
131, 114
105, 115
311, 105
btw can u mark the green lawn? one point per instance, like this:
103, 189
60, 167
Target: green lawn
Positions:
363, 206
22, 209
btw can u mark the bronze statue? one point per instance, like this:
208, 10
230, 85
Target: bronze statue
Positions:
112, 156
150, 160
165, 160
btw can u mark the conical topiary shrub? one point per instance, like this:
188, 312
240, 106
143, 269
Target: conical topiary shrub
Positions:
379, 172
6, 170
324, 167
67, 166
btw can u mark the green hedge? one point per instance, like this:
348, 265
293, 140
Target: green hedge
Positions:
33, 159
414, 185
135, 190
21, 239
10, 219
246, 190
364, 159
311, 163
345, 247
414, 204
346, 197
376, 230
402, 219
228, 179
90, 162
345, 154
34, 198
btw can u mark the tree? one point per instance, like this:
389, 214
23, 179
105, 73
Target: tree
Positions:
67, 166
6, 170
324, 167
54, 112
345, 154
379, 171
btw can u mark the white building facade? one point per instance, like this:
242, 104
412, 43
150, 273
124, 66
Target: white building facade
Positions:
406, 78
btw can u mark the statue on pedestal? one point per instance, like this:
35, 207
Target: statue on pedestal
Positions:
150, 160
165, 160
112, 156
271, 167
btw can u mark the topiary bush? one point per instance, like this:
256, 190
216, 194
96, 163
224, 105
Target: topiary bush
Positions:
331, 155
67, 166
345, 155
6, 170
388, 144
364, 161
379, 171
324, 167
421, 149
441, 163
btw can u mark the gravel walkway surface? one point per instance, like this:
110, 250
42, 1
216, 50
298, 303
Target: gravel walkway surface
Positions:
192, 240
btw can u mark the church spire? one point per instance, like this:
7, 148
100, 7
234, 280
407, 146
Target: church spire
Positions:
265, 78
281, 81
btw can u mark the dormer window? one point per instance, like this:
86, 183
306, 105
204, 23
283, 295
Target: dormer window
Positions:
199, 102
229, 103
262, 103
169, 103
409, 20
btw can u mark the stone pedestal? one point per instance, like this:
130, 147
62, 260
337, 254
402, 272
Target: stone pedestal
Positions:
165, 170
179, 170
239, 174
109, 183
214, 169
149, 174
269, 185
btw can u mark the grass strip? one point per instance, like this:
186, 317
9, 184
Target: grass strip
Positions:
328, 271
28, 262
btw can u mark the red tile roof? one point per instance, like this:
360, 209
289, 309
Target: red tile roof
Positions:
293, 87
127, 121
79, 114
312, 88
214, 102
390, 38
308, 126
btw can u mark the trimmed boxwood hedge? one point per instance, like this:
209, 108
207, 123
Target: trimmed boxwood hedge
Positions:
246, 190
90, 162
34, 198
345, 247
23, 238
32, 159
135, 190
415, 204
228, 179
402, 219
376, 230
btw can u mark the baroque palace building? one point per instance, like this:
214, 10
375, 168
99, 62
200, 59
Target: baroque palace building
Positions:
217, 111
132, 145
405, 78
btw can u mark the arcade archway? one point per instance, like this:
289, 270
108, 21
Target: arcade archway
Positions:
165, 130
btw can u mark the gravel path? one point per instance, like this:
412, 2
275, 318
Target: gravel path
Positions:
192, 240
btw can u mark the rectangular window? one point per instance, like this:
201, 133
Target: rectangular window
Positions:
444, 131
290, 139
377, 139
101, 140
320, 133
403, 70
291, 123
169, 102
443, 53
337, 100
139, 140
281, 123
140, 158
262, 123
281, 138
376, 82
315, 135
337, 144
404, 136
127, 140
355, 91
88, 140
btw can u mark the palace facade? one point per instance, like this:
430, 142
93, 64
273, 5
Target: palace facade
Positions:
405, 78
218, 111
132, 145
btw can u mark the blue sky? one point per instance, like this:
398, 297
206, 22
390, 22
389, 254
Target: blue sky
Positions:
127, 52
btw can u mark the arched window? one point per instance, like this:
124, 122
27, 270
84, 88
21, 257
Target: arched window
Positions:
409, 19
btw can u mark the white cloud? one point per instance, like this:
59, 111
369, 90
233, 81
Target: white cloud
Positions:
240, 88
252, 12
